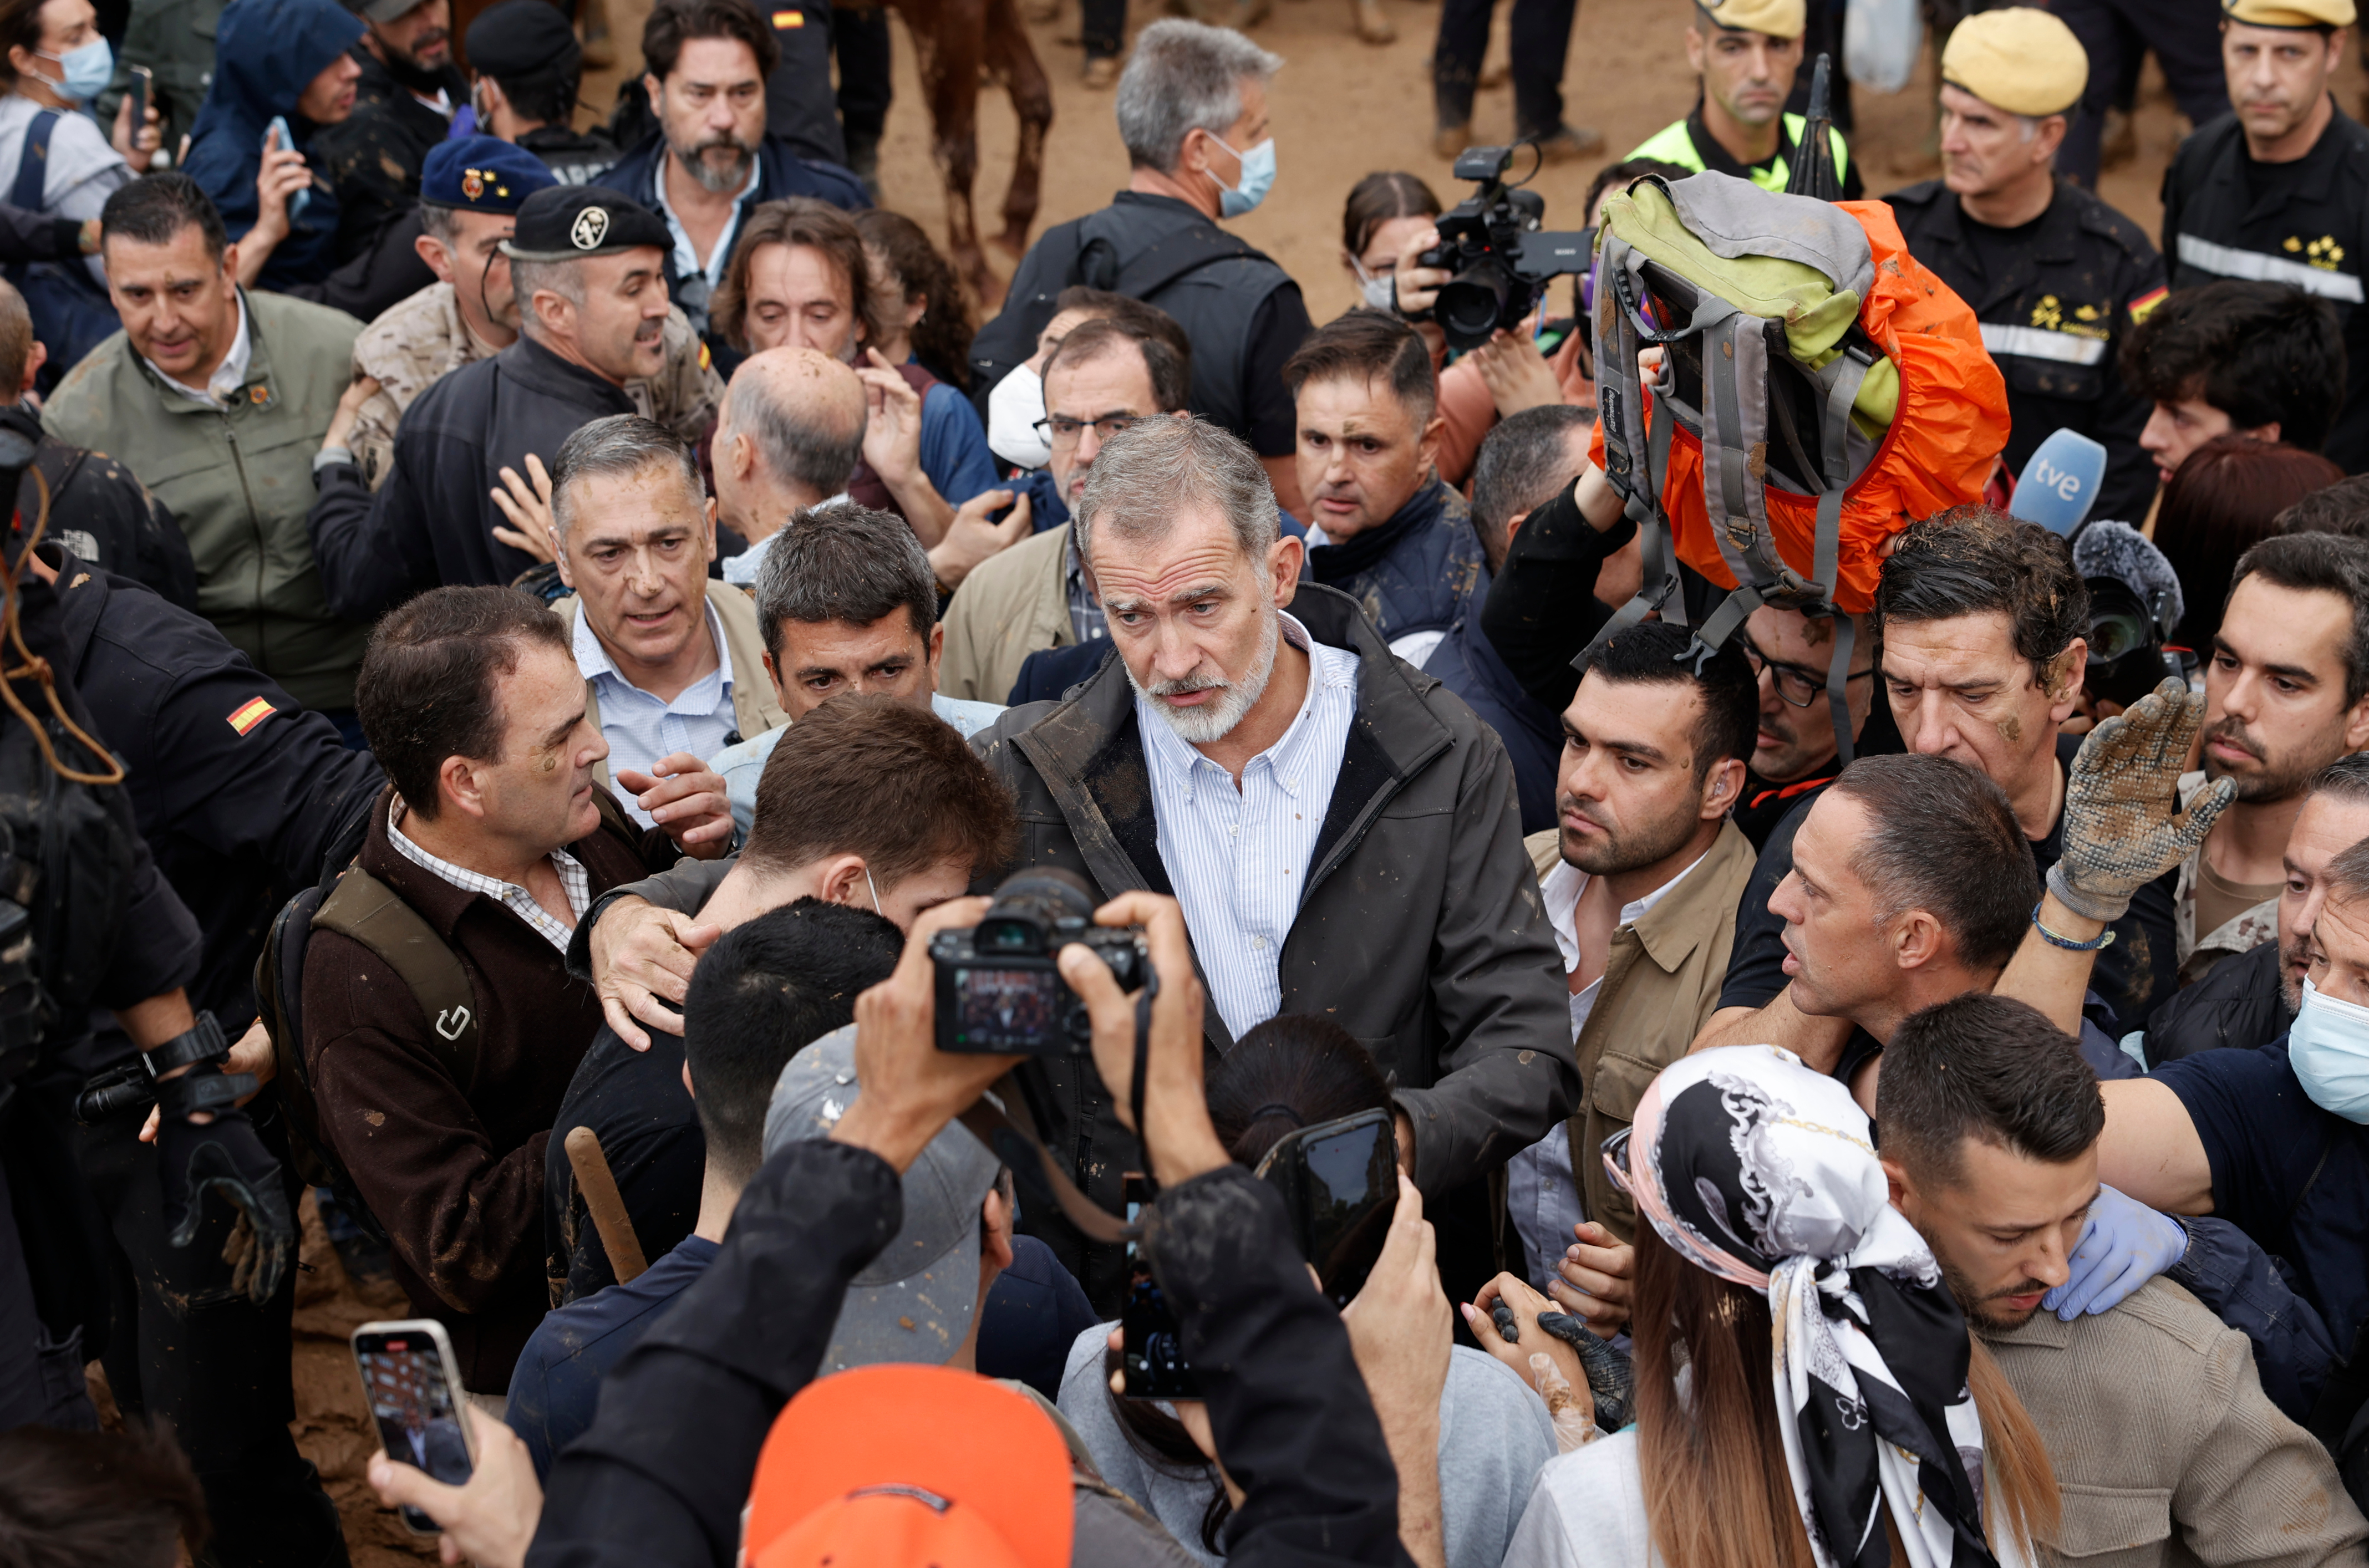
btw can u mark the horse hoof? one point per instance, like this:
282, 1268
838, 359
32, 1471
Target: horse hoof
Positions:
1372, 26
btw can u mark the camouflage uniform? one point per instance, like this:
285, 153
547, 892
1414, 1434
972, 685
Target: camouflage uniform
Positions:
424, 339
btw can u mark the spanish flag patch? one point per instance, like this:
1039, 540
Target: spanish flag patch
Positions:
705, 360
789, 19
251, 712
2146, 303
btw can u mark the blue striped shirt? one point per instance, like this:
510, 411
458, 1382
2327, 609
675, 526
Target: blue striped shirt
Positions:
1239, 858
639, 727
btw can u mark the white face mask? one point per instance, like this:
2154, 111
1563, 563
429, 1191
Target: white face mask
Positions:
1380, 291
2328, 1048
1013, 406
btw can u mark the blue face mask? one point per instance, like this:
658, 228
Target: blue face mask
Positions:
86, 70
2328, 1048
1257, 180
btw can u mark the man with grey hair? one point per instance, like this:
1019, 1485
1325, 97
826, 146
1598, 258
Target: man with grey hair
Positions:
669, 657
1193, 113
1341, 831
846, 602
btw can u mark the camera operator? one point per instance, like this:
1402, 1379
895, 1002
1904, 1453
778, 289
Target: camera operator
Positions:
100, 927
242, 797
663, 1474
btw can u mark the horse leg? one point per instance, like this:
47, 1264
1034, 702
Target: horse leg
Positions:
1013, 58
949, 64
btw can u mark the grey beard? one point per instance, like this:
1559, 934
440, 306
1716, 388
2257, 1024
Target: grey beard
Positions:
1213, 721
694, 163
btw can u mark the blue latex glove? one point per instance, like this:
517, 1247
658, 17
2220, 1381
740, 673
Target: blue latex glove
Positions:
2124, 1245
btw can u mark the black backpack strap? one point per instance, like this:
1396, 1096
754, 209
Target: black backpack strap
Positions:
367, 910
33, 163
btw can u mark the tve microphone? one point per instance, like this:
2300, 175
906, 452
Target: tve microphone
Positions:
2060, 483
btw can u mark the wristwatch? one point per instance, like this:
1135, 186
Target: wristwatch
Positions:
201, 1042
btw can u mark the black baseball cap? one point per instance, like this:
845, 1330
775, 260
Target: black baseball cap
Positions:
522, 40
573, 222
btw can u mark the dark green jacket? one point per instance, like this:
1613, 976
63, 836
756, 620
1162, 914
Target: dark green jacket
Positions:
240, 481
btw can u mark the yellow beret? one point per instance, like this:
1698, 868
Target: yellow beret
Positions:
2290, 13
1778, 18
2021, 60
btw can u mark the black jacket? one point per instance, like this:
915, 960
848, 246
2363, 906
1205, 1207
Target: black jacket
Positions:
376, 153
574, 157
780, 172
99, 511
1243, 312
1467, 665
241, 794
2313, 232
431, 523
1541, 609
664, 1472
2240, 1003
1416, 572
2054, 317
1419, 929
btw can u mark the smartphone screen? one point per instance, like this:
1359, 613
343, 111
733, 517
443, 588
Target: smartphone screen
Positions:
411, 1400
137, 89
1151, 1351
1349, 1190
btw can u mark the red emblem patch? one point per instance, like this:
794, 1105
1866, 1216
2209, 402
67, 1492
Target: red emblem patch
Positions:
473, 184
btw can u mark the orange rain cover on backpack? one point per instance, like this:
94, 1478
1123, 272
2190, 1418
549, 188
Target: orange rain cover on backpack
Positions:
1948, 431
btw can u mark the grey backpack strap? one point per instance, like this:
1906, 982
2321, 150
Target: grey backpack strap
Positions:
367, 910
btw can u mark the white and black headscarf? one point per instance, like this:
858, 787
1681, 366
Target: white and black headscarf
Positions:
1757, 1170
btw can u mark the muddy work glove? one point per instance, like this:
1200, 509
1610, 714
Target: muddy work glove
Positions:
2122, 824
223, 1155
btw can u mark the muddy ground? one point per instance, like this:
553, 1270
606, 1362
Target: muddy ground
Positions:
1342, 110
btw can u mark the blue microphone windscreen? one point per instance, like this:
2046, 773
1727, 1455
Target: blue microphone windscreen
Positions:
2060, 483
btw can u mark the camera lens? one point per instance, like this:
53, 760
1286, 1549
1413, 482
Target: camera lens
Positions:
1471, 303
1079, 1023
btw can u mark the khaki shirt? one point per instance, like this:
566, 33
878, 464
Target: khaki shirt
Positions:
419, 341
2166, 1450
2200, 951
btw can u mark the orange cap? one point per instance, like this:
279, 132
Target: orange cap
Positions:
896, 1465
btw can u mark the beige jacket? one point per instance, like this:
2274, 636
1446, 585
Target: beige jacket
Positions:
2166, 1449
754, 707
1011, 605
1660, 986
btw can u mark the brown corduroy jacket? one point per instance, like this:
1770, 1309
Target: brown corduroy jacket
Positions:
454, 1171
2165, 1449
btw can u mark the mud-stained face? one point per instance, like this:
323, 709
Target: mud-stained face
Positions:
1959, 689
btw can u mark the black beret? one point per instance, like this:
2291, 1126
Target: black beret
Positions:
569, 222
519, 39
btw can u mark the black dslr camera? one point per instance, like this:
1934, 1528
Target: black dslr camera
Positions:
1501, 257
998, 991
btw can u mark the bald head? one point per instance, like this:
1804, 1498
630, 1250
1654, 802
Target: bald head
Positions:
801, 415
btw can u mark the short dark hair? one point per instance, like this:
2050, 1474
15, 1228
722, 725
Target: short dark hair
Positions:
795, 220
767, 989
2340, 507
1974, 559
1146, 320
942, 338
2263, 354
843, 562
1171, 373
547, 95
430, 682
674, 23
1656, 653
1379, 199
2224, 500
2320, 563
1941, 837
155, 207
866, 774
113, 1497
1991, 1069
1368, 345
1521, 464
1626, 173
1294, 1070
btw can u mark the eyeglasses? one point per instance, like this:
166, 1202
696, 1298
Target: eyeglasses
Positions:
1796, 686
1059, 429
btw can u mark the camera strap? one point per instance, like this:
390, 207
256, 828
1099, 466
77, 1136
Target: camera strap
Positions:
1014, 1141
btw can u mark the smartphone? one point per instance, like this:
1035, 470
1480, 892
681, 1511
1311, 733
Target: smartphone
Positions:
1339, 1182
1151, 1351
137, 91
283, 141
412, 1384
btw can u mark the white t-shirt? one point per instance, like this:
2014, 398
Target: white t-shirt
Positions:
84, 171
1587, 1511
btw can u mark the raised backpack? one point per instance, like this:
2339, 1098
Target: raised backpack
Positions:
1822, 391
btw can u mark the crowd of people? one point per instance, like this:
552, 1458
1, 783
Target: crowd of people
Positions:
565, 632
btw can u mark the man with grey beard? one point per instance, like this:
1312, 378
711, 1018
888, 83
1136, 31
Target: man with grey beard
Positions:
711, 161
1341, 831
